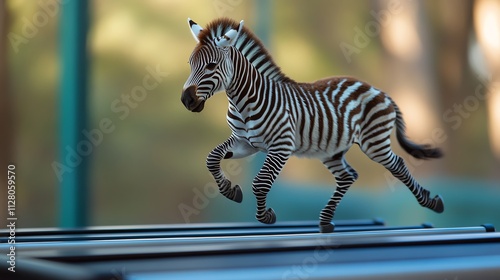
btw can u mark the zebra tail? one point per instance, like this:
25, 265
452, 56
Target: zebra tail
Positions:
418, 151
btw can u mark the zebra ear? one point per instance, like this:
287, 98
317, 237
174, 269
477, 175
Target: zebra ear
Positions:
195, 29
230, 37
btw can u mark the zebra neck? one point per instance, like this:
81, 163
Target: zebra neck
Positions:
248, 86
255, 53
245, 83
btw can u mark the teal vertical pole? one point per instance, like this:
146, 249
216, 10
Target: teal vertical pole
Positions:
73, 112
263, 22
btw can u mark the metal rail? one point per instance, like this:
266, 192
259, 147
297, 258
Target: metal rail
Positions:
367, 251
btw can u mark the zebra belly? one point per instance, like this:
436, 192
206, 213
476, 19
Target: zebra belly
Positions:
321, 153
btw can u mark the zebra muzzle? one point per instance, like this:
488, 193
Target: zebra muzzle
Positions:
191, 101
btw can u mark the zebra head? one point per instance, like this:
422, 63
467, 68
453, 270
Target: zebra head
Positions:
211, 67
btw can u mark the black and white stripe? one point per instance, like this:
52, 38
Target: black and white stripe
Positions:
270, 112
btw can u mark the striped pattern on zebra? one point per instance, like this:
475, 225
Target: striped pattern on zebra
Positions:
271, 113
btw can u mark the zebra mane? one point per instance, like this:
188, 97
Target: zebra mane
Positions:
248, 44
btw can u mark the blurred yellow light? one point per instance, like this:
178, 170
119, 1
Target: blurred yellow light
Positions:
487, 22
494, 120
487, 25
418, 115
400, 36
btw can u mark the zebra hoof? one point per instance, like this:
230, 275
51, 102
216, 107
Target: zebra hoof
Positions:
238, 195
439, 206
268, 217
326, 228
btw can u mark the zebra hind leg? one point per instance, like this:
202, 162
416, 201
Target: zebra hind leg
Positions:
345, 176
396, 165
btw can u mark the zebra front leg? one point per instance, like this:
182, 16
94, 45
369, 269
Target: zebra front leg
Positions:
262, 183
345, 175
233, 147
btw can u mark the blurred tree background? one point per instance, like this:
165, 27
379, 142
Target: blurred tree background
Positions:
438, 59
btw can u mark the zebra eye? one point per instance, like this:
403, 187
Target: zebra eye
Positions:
211, 66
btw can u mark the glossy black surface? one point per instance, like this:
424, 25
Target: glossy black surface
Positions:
356, 250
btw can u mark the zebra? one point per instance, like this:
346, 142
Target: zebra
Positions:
271, 113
